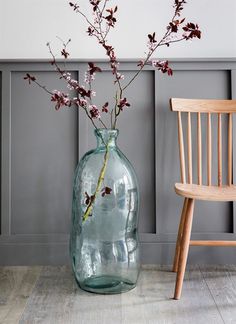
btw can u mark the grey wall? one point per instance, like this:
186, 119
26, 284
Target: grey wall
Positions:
41, 147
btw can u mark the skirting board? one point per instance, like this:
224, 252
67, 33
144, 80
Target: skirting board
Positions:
151, 253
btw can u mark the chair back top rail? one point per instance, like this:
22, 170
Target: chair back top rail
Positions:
203, 105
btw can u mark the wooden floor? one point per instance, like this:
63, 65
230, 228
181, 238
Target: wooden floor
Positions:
49, 295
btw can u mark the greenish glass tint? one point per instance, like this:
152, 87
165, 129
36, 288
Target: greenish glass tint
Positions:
104, 248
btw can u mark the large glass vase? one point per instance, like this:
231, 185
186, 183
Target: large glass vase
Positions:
104, 246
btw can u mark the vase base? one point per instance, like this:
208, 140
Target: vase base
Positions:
106, 285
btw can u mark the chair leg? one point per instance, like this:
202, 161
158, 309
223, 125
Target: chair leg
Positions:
184, 248
180, 232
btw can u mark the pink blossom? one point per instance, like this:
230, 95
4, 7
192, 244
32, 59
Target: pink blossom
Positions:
123, 102
74, 83
141, 63
94, 112
83, 102
120, 76
151, 46
67, 76
61, 99
88, 78
80, 102
170, 38
96, 21
162, 66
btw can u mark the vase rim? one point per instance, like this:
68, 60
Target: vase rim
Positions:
105, 136
106, 131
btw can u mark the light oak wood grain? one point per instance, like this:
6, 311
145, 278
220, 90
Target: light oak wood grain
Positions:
193, 191
179, 237
203, 105
181, 149
189, 141
219, 145
184, 248
212, 243
210, 193
230, 149
199, 149
209, 149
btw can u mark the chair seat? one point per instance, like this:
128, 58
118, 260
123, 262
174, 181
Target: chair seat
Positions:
213, 193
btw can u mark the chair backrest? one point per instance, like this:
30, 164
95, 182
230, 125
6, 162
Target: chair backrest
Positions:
209, 107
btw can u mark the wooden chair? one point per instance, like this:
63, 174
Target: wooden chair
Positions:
187, 188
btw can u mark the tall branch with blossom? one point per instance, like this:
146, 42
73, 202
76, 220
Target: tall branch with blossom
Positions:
104, 20
99, 27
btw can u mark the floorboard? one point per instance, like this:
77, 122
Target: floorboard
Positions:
57, 299
49, 295
221, 281
16, 285
152, 301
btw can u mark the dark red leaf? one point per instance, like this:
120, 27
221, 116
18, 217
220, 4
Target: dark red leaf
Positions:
106, 191
152, 38
65, 53
105, 107
29, 78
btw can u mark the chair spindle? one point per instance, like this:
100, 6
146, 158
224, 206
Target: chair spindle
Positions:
189, 141
181, 149
199, 148
230, 158
209, 149
219, 150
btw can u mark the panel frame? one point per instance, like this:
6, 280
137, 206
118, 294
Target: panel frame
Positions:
6, 237
6, 153
152, 241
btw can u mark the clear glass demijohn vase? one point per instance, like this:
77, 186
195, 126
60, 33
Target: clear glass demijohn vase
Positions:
104, 246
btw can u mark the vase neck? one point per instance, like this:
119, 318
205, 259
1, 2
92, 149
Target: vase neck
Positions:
106, 137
